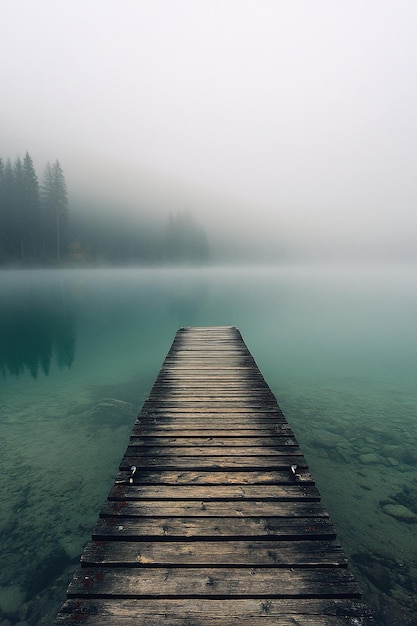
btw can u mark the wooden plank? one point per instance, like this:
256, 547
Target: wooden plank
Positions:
209, 390
206, 367
196, 380
222, 406
202, 429
281, 462
220, 417
250, 426
209, 528
214, 612
191, 582
166, 441
226, 396
202, 383
217, 492
219, 553
157, 476
134, 449
215, 406
209, 359
211, 508
234, 423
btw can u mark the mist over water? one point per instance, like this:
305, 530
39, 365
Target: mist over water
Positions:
80, 350
287, 128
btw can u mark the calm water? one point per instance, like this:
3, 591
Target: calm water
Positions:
79, 351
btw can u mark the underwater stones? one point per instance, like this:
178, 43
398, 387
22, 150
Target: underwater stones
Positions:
113, 411
409, 457
400, 512
73, 545
379, 576
11, 598
369, 458
23, 611
331, 445
375, 569
47, 569
391, 450
328, 441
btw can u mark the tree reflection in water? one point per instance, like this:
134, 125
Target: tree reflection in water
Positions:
36, 325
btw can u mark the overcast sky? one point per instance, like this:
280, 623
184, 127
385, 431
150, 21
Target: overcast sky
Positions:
295, 118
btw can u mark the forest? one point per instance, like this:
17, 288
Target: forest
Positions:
40, 228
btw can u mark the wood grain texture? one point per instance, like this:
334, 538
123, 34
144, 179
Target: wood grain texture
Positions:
213, 612
320, 553
218, 492
213, 528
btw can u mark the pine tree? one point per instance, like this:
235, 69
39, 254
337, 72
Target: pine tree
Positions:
55, 210
47, 213
31, 201
2, 211
18, 208
61, 203
8, 222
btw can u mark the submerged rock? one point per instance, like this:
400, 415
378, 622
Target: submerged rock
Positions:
11, 598
47, 569
328, 441
369, 458
400, 512
114, 412
391, 461
375, 569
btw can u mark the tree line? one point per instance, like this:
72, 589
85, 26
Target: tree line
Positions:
33, 215
37, 227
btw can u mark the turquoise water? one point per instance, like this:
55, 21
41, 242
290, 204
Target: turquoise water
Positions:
79, 351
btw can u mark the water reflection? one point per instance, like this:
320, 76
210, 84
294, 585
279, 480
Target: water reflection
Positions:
36, 324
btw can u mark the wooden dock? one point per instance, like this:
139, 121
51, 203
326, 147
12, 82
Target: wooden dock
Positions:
214, 518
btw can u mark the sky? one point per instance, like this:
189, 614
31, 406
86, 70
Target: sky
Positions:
292, 122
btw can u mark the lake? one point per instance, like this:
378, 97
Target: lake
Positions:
79, 352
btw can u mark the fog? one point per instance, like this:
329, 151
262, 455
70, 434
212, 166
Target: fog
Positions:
287, 125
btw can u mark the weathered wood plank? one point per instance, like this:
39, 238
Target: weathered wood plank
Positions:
148, 476
202, 429
225, 397
235, 420
206, 385
208, 528
197, 441
214, 612
219, 463
135, 449
209, 392
217, 492
211, 408
211, 508
225, 582
219, 553
212, 421
223, 380
176, 366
